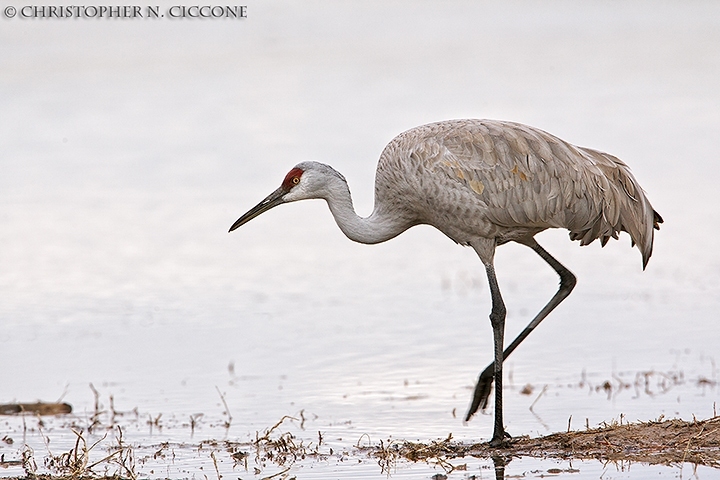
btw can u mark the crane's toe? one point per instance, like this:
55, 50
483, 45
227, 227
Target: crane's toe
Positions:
501, 441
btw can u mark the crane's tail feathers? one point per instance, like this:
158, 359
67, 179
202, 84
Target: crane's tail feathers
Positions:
657, 220
618, 204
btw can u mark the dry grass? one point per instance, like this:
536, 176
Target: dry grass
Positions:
75, 464
665, 442
283, 448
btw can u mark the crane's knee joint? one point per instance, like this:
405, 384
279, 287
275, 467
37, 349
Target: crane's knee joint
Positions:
567, 281
497, 316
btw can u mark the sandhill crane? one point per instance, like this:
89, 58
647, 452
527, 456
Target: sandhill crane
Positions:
484, 183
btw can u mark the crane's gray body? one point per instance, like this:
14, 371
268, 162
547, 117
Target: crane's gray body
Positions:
506, 181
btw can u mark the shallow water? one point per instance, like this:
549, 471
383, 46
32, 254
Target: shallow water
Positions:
129, 147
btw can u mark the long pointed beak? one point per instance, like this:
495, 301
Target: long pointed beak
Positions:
272, 200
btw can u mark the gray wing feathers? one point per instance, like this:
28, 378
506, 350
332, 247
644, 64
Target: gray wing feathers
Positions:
525, 177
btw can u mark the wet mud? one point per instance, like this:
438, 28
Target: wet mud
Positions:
661, 442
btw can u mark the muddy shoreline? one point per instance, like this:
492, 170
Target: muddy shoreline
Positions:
661, 442
666, 442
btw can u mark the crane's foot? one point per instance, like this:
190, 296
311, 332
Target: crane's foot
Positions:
500, 441
481, 393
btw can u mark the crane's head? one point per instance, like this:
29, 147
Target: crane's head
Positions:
305, 180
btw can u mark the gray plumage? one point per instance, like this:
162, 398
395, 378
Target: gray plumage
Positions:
484, 183
505, 180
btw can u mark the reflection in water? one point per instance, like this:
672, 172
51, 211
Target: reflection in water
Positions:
500, 462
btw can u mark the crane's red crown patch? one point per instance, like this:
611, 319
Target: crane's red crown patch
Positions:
292, 179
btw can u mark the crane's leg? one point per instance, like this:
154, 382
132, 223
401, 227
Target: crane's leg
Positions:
567, 283
497, 320
485, 248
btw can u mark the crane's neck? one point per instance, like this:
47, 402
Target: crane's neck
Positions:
380, 226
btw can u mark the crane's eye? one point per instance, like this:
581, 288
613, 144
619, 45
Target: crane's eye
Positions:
291, 179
